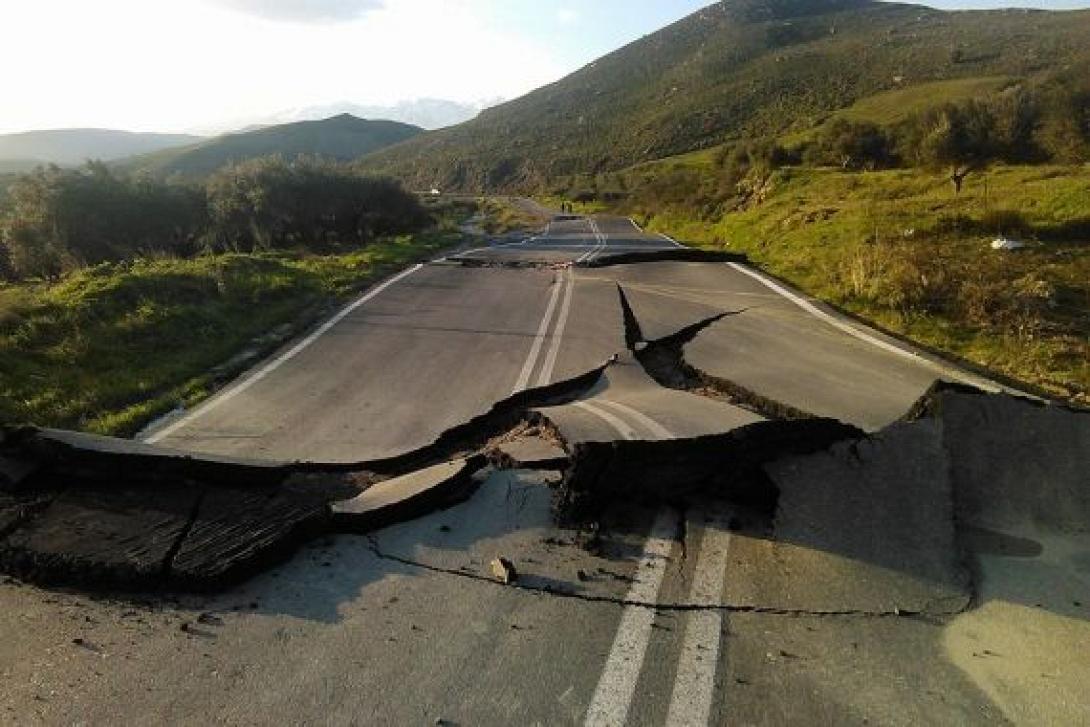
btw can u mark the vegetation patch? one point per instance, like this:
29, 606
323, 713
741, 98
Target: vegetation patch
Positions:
108, 348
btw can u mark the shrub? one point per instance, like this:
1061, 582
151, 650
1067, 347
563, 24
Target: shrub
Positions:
268, 203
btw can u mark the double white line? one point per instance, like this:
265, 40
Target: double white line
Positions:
600, 243
693, 693
616, 418
565, 283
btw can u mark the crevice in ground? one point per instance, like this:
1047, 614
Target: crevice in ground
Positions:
680, 254
664, 361
376, 549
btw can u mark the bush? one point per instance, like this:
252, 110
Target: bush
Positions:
851, 145
60, 219
267, 203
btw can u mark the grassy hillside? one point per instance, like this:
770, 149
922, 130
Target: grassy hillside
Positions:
111, 347
740, 68
899, 248
343, 138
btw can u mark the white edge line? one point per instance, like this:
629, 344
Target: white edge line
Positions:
669, 239
617, 686
539, 339
873, 340
241, 386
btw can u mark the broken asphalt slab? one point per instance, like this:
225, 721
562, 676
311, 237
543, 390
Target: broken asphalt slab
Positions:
124, 460
103, 513
674, 254
1014, 462
626, 403
408, 496
85, 538
866, 525
530, 453
670, 470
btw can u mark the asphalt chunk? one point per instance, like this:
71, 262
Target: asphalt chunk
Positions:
116, 538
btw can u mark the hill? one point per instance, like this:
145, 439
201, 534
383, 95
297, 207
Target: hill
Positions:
427, 113
65, 147
739, 68
342, 137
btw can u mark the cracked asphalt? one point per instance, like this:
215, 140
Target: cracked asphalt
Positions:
679, 614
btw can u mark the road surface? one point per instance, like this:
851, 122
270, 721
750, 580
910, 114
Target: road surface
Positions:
401, 627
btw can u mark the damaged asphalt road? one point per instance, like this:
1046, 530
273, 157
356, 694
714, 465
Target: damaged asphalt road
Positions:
710, 494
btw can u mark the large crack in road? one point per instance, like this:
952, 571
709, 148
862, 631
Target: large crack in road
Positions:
808, 476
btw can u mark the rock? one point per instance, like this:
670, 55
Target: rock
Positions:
504, 571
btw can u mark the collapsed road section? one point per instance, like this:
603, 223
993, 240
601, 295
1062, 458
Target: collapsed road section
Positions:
78, 511
648, 426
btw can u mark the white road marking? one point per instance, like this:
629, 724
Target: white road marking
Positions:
617, 685
539, 339
813, 310
694, 685
279, 361
638, 228
619, 425
670, 239
603, 241
656, 429
599, 243
558, 333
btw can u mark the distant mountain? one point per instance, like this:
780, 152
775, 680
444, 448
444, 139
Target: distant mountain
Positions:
342, 137
18, 152
736, 69
427, 113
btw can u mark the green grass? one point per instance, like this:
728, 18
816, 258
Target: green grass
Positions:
111, 347
898, 248
889, 108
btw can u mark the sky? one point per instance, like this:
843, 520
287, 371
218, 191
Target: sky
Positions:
185, 65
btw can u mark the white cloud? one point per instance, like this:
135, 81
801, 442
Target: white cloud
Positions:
313, 11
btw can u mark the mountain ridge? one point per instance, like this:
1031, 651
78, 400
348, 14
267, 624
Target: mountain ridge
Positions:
343, 137
66, 147
735, 69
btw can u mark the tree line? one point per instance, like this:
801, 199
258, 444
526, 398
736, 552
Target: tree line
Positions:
55, 220
1017, 125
